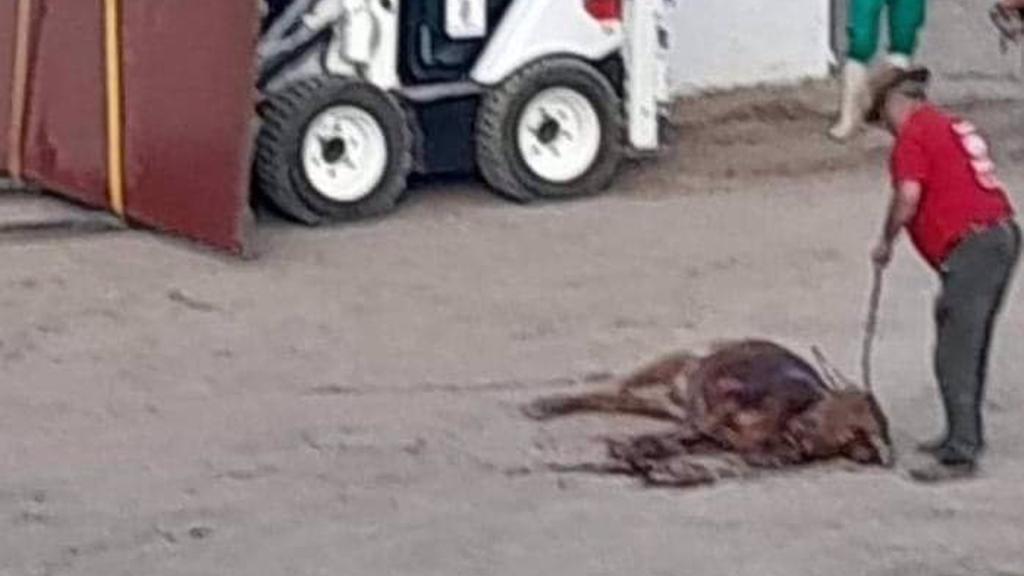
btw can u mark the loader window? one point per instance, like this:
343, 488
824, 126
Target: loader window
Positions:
428, 54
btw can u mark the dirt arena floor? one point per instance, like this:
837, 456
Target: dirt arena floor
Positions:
347, 403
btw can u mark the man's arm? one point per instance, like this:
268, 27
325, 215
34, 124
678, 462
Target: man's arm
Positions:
905, 199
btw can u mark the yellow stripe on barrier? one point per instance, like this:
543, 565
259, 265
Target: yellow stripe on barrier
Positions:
19, 90
115, 106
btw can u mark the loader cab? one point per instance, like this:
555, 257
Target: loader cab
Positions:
428, 51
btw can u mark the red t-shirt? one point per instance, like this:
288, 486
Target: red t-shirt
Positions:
951, 161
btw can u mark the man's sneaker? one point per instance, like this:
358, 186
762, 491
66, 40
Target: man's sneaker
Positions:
938, 471
936, 446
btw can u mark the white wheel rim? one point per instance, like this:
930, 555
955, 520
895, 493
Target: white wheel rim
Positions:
344, 153
559, 135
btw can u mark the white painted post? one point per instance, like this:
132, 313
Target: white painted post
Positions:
642, 78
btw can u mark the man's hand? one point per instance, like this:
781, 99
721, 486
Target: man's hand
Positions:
902, 209
882, 254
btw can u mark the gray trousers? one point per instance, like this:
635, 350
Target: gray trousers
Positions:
975, 279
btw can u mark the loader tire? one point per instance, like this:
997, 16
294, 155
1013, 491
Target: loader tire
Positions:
333, 149
553, 130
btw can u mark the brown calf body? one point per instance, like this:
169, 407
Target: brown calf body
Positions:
753, 398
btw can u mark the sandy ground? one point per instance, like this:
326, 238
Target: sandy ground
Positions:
347, 404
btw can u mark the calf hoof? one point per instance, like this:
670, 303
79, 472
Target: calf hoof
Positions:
763, 460
545, 408
938, 472
678, 474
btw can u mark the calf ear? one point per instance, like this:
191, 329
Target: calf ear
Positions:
836, 379
847, 381
826, 369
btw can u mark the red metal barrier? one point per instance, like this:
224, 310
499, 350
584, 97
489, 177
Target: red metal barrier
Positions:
65, 128
189, 88
187, 71
8, 10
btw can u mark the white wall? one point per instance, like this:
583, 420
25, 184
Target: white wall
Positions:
731, 43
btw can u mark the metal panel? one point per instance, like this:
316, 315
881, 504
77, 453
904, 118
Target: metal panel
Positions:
8, 10
65, 130
189, 77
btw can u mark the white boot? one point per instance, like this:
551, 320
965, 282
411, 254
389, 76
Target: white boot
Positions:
854, 100
899, 61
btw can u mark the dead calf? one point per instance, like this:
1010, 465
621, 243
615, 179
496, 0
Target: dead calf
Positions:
752, 399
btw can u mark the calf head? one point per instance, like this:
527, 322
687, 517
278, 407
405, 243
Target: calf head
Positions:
846, 423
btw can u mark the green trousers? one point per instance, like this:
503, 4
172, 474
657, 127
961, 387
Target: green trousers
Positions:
865, 20
975, 279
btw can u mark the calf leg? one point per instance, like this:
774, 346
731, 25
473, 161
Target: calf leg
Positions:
685, 440
774, 457
661, 459
602, 402
678, 473
664, 372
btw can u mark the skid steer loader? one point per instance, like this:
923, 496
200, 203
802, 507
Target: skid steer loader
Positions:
542, 97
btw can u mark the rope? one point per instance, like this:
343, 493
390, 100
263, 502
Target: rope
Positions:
871, 328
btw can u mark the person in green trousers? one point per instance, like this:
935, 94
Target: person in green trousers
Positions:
905, 18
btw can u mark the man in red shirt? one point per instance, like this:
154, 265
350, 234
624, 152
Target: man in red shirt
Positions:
960, 219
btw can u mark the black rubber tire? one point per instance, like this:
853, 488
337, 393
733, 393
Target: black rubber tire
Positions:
278, 166
498, 157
